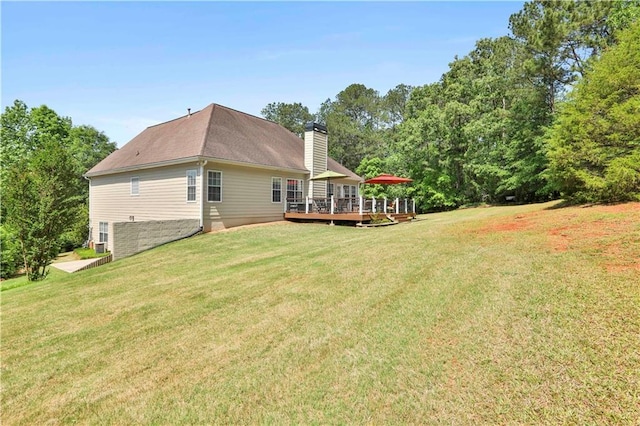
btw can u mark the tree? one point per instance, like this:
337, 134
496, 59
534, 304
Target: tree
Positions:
560, 38
394, 103
290, 116
11, 253
16, 133
595, 142
24, 132
88, 146
368, 168
354, 125
624, 13
40, 202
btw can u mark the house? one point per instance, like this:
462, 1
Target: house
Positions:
208, 170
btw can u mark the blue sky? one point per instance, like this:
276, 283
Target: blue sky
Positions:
122, 66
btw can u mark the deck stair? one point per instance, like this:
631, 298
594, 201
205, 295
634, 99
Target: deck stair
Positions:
398, 218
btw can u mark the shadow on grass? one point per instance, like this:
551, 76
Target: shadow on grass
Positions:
566, 203
561, 204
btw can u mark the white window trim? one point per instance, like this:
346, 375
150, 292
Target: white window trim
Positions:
214, 201
100, 233
137, 179
195, 185
272, 180
300, 181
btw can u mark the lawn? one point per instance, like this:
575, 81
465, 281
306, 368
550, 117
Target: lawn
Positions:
509, 315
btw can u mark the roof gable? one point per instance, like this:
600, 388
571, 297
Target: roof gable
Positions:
236, 136
183, 137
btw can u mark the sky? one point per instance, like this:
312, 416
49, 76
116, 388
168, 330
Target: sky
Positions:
123, 66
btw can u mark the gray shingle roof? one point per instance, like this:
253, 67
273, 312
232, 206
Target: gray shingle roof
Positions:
216, 132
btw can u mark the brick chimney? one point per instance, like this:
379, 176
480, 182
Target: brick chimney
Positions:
315, 157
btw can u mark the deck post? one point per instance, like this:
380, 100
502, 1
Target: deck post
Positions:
306, 205
398, 205
373, 205
360, 209
384, 206
414, 205
331, 210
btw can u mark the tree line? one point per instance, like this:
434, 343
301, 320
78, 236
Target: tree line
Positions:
547, 111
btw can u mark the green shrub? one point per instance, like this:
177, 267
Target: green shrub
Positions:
10, 257
78, 234
623, 179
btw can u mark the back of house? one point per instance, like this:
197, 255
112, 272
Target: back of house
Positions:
208, 170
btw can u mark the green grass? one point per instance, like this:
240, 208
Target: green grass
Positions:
88, 253
21, 280
505, 315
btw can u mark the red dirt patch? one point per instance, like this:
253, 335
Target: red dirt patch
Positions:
611, 233
519, 224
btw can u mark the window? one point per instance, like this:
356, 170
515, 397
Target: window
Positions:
294, 190
135, 185
103, 237
191, 185
347, 191
350, 191
214, 186
276, 190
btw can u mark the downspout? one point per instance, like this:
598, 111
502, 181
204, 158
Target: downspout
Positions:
202, 189
90, 236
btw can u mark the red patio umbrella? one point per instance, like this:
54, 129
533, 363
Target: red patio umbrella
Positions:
385, 179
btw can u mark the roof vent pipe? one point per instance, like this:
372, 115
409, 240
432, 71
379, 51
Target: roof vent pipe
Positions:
188, 112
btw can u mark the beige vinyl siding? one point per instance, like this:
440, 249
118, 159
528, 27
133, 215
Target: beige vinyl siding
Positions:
162, 195
246, 197
308, 155
308, 152
319, 152
315, 160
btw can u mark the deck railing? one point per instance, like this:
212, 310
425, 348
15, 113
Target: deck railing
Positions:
360, 205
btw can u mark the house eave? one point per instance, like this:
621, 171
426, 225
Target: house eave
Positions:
255, 165
196, 159
173, 162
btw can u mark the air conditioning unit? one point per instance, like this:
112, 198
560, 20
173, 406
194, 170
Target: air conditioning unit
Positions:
99, 247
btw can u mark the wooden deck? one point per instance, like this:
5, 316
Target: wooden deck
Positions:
346, 217
355, 210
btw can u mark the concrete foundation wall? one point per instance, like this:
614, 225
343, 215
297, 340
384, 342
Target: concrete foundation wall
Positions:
133, 237
218, 225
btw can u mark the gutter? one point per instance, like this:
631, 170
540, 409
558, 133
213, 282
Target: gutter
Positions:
202, 190
186, 160
90, 236
143, 166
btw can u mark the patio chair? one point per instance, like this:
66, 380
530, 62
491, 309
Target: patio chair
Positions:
342, 205
321, 206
